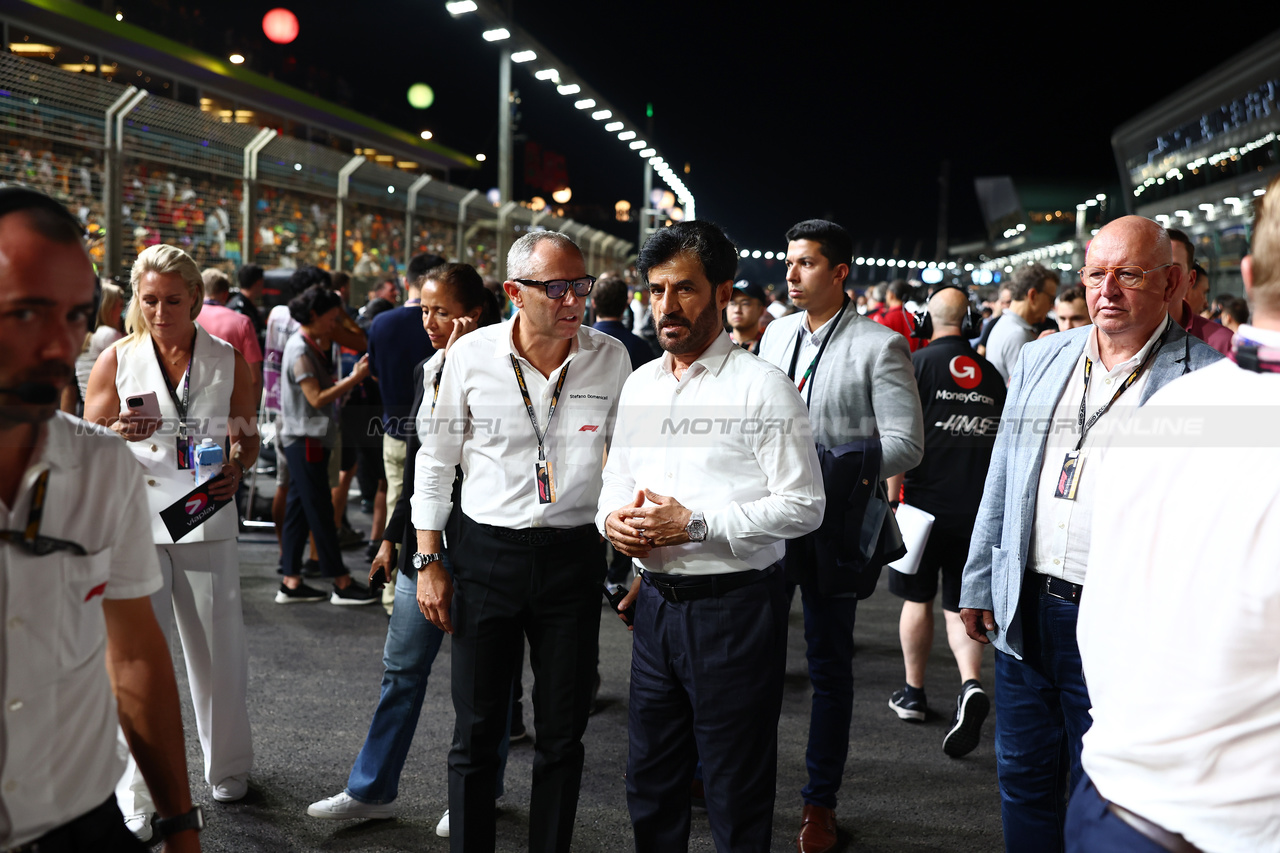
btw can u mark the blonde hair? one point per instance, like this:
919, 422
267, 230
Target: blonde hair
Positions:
164, 260
1266, 251
112, 302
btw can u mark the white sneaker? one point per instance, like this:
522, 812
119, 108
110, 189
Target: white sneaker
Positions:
232, 788
140, 826
343, 807
442, 828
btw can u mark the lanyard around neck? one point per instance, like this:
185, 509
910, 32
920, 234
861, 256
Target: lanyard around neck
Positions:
813, 365
180, 405
528, 404
29, 538
1124, 386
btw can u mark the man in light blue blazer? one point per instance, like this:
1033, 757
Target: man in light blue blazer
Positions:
1029, 553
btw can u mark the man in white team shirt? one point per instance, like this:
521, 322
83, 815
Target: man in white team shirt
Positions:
1180, 632
713, 466
75, 575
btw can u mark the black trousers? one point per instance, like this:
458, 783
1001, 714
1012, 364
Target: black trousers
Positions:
101, 830
505, 591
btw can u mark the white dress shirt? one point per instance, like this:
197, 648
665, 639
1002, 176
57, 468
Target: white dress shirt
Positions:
58, 726
480, 421
1060, 532
731, 439
810, 343
1179, 627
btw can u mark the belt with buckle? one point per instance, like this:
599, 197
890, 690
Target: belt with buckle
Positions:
540, 535
681, 588
1059, 588
1154, 832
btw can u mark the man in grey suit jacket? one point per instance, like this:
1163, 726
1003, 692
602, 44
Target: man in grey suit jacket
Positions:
857, 380
1029, 553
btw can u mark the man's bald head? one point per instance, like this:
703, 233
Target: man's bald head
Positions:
1127, 316
947, 309
1141, 235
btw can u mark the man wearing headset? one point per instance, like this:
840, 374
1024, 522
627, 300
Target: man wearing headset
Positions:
962, 395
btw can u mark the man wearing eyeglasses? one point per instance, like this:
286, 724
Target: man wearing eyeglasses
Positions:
75, 574
526, 408
1029, 554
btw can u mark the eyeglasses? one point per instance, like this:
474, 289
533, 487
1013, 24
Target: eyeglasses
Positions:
557, 288
1130, 277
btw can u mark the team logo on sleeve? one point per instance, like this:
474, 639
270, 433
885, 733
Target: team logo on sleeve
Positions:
965, 372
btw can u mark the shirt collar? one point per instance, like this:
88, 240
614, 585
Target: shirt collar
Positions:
1091, 347
1265, 337
504, 345
712, 360
815, 337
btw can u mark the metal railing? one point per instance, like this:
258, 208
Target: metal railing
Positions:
140, 169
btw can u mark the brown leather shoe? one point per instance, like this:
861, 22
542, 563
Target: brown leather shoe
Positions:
817, 830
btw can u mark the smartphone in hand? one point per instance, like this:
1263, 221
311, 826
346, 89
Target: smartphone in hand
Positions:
615, 598
144, 405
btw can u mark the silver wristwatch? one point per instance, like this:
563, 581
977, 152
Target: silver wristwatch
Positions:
420, 561
697, 527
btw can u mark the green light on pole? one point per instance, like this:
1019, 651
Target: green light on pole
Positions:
648, 110
421, 96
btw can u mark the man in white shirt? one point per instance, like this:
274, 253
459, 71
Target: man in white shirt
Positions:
713, 466
526, 408
1030, 548
1033, 290
1180, 632
75, 575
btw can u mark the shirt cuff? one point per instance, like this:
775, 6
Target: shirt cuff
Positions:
430, 515
722, 526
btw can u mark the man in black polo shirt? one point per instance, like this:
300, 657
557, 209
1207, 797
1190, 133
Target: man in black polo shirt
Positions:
962, 395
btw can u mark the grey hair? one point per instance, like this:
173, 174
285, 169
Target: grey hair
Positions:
215, 281
519, 259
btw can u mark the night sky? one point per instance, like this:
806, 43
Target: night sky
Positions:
784, 111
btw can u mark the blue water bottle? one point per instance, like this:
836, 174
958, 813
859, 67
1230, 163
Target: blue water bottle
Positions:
208, 461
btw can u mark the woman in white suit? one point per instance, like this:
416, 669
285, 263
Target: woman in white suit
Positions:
205, 390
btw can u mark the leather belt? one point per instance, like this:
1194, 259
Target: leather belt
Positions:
1059, 588
1171, 841
536, 536
678, 589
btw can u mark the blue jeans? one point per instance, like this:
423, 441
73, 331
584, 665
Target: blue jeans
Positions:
1042, 714
411, 649
828, 634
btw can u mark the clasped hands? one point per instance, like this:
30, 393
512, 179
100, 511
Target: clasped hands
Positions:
636, 529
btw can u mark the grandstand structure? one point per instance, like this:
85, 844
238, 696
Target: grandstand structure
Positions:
148, 141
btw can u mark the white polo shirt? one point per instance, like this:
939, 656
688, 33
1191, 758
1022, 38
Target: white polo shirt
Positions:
481, 422
731, 438
58, 717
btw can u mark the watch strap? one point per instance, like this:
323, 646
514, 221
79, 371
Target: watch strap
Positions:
166, 826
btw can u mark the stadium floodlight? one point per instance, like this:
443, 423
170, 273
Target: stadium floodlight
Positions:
636, 145
500, 34
547, 74
648, 152
627, 134
601, 115
570, 89
756, 253
614, 126
584, 104
744, 254
460, 7
523, 56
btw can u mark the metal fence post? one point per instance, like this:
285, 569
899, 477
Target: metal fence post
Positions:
113, 180
503, 241
462, 223
410, 207
249, 195
344, 189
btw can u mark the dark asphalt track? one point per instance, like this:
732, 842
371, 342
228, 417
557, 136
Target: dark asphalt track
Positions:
313, 684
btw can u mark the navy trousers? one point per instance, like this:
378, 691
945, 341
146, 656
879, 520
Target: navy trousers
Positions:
828, 636
309, 506
1091, 828
706, 682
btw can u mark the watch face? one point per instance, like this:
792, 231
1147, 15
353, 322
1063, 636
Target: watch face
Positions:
418, 561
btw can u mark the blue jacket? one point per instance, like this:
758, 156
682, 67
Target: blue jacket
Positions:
1001, 539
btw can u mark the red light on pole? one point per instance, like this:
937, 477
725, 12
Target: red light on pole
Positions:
280, 26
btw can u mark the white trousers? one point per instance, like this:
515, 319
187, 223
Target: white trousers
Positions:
202, 590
